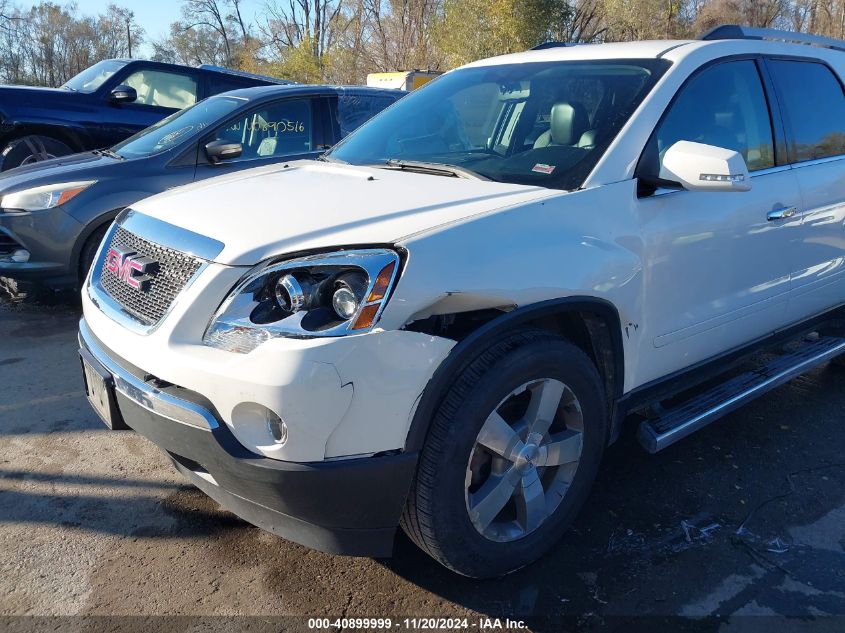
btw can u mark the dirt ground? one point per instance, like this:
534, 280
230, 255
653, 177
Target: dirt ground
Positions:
745, 518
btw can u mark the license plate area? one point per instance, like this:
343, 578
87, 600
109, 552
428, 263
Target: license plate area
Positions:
99, 387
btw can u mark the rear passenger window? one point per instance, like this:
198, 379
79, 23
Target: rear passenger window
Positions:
814, 108
353, 110
724, 106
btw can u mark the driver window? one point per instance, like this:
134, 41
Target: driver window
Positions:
163, 89
283, 128
724, 106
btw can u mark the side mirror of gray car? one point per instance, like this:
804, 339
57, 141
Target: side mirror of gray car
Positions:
123, 94
220, 150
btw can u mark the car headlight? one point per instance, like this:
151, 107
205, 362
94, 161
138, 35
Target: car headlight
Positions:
44, 197
334, 294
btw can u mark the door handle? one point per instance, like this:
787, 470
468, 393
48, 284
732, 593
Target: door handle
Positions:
781, 214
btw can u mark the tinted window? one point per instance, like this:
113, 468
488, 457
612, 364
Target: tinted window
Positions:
723, 105
353, 110
174, 129
225, 84
814, 108
163, 89
484, 119
278, 129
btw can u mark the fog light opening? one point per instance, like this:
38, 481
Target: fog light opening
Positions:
20, 256
277, 428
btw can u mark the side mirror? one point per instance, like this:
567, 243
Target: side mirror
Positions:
222, 150
699, 167
123, 94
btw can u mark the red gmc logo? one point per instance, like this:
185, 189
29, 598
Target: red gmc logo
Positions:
131, 267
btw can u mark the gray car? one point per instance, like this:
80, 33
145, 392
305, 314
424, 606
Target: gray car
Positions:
54, 214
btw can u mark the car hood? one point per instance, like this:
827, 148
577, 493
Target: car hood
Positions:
85, 166
304, 205
12, 98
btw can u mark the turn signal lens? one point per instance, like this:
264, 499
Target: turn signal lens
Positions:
367, 317
382, 283
67, 194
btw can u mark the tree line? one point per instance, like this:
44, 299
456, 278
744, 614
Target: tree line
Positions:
340, 41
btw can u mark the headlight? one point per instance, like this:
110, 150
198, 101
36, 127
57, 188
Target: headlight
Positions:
45, 197
333, 294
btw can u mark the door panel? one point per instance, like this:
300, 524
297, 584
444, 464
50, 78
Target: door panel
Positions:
813, 104
819, 278
717, 267
718, 270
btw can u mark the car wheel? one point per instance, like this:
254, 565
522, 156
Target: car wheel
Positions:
89, 252
31, 149
510, 457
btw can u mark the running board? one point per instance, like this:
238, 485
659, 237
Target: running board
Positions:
692, 415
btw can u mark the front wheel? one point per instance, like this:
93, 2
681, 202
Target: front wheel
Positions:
510, 457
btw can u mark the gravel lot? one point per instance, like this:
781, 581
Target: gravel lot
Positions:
747, 517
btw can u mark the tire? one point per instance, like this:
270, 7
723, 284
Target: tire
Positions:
450, 477
30, 149
89, 252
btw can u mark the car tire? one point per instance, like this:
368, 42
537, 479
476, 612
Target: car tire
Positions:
448, 506
30, 149
89, 252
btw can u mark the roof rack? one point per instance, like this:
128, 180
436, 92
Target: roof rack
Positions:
545, 45
736, 32
243, 73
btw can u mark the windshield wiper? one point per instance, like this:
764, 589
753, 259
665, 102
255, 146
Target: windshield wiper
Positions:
108, 152
439, 169
331, 159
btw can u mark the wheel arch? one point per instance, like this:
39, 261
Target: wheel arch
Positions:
591, 323
104, 219
62, 133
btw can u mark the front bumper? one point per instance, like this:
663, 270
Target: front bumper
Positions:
347, 506
49, 236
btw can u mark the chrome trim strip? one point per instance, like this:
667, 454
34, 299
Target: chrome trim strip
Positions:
144, 394
655, 443
818, 161
169, 235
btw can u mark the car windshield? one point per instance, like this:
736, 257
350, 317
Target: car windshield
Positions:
539, 123
92, 78
177, 127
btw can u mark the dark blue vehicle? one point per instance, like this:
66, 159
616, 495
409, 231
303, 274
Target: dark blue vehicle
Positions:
53, 214
103, 105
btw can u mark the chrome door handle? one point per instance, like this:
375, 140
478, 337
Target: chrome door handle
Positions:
781, 214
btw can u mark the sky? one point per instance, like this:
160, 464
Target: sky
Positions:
154, 15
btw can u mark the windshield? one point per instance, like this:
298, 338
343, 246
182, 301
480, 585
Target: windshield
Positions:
172, 130
92, 78
541, 123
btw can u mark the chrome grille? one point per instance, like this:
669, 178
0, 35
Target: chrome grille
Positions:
175, 270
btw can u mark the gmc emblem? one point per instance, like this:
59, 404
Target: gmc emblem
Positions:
131, 267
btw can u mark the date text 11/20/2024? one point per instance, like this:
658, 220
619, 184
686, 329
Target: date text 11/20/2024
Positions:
417, 624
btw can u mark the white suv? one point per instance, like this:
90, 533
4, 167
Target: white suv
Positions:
443, 323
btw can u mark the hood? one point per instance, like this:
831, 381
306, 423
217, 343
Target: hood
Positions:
13, 97
85, 166
271, 211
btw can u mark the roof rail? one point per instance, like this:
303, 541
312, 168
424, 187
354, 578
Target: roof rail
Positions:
736, 32
243, 73
546, 45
